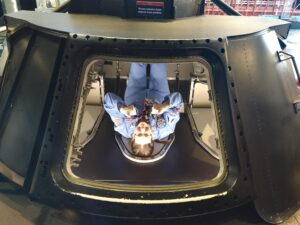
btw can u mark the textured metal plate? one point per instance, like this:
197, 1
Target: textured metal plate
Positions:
265, 94
181, 29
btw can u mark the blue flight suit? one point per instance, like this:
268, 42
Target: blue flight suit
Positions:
136, 93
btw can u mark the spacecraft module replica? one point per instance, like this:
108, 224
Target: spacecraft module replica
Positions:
238, 138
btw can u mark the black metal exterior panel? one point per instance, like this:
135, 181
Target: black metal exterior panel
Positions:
133, 10
28, 4
210, 27
111, 7
49, 182
167, 9
22, 112
265, 91
19, 44
245, 69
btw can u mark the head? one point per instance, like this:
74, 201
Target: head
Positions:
142, 143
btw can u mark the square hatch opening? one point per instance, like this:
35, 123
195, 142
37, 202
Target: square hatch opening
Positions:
195, 156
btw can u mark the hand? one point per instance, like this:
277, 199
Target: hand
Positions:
128, 111
158, 109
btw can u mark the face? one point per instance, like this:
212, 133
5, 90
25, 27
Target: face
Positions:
143, 133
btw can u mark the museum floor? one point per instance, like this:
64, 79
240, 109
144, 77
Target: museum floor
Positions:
17, 209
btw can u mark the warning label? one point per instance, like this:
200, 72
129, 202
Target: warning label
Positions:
152, 9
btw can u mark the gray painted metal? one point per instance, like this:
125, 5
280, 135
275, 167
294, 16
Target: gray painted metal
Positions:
181, 29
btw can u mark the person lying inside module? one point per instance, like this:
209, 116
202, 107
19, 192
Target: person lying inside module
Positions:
147, 114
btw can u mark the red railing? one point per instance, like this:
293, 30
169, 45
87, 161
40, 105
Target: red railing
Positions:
278, 8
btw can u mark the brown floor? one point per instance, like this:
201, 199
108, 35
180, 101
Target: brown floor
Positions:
191, 165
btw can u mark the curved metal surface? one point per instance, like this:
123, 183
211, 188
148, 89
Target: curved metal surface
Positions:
254, 97
182, 29
265, 89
